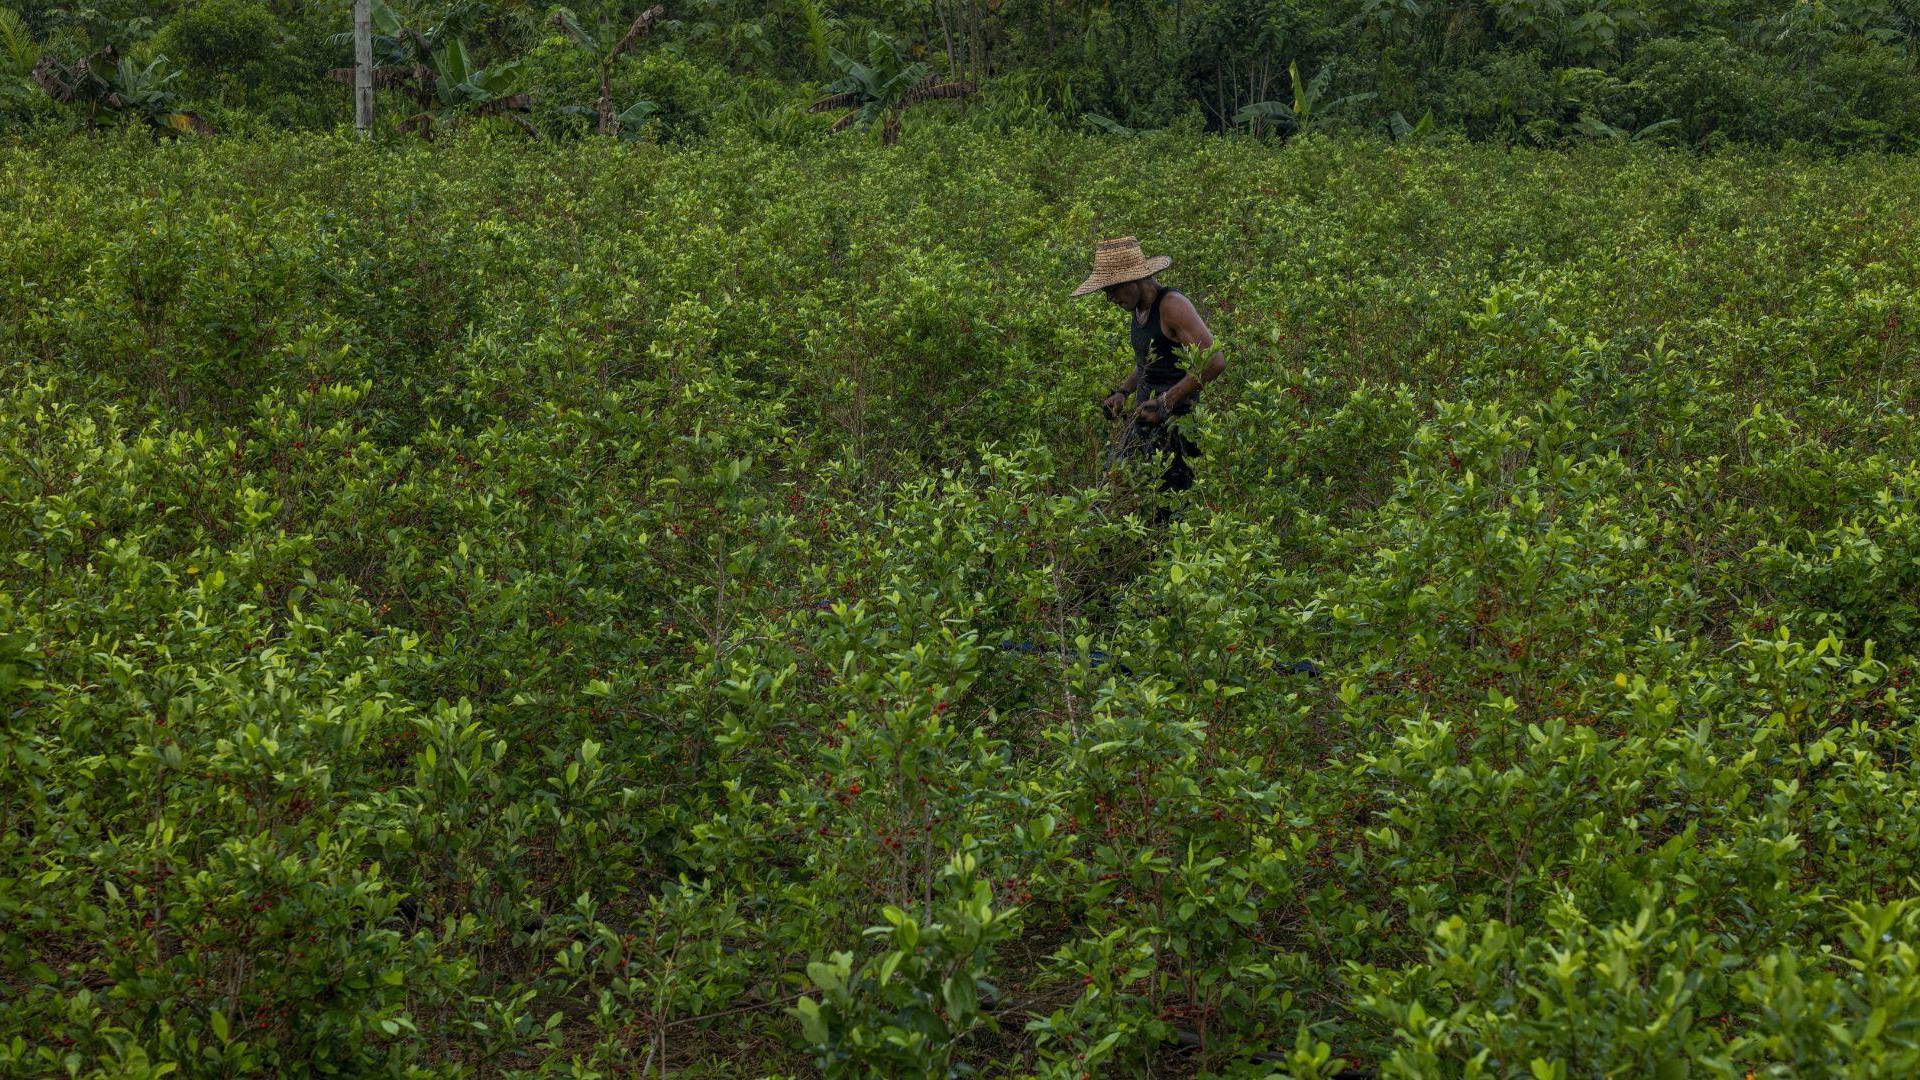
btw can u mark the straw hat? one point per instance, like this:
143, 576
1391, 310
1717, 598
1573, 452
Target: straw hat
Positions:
1117, 261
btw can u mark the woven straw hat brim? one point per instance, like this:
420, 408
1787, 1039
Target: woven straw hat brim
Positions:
1100, 279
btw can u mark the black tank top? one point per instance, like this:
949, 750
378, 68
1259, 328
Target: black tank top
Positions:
1153, 354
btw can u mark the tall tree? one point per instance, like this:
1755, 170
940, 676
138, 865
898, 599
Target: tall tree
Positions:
363, 68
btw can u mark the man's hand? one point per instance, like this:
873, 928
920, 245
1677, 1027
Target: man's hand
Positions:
1114, 403
1151, 411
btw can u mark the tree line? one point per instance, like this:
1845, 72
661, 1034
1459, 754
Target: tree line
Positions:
1843, 73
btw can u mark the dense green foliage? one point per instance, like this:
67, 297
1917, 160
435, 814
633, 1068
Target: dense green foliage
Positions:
490, 608
1835, 72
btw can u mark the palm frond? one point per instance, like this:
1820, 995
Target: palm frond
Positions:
904, 80
386, 21
566, 22
17, 50
931, 90
815, 25
834, 101
50, 76
1655, 128
1350, 99
422, 47
846, 119
853, 72
520, 102
639, 29
522, 122
1278, 111
105, 56
637, 112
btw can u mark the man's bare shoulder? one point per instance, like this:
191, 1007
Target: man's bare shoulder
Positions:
1178, 313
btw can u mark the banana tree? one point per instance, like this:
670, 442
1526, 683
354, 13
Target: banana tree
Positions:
607, 48
1595, 128
434, 70
462, 90
1415, 132
107, 82
1308, 107
1107, 125
883, 88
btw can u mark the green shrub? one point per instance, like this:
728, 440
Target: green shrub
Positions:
248, 70
686, 94
1501, 96
511, 607
230, 37
1868, 95
1712, 86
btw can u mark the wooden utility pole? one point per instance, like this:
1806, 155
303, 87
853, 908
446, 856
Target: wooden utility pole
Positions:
363, 68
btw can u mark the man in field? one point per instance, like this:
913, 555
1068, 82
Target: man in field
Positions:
1162, 324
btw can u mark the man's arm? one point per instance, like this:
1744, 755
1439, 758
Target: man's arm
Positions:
1184, 325
1122, 392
